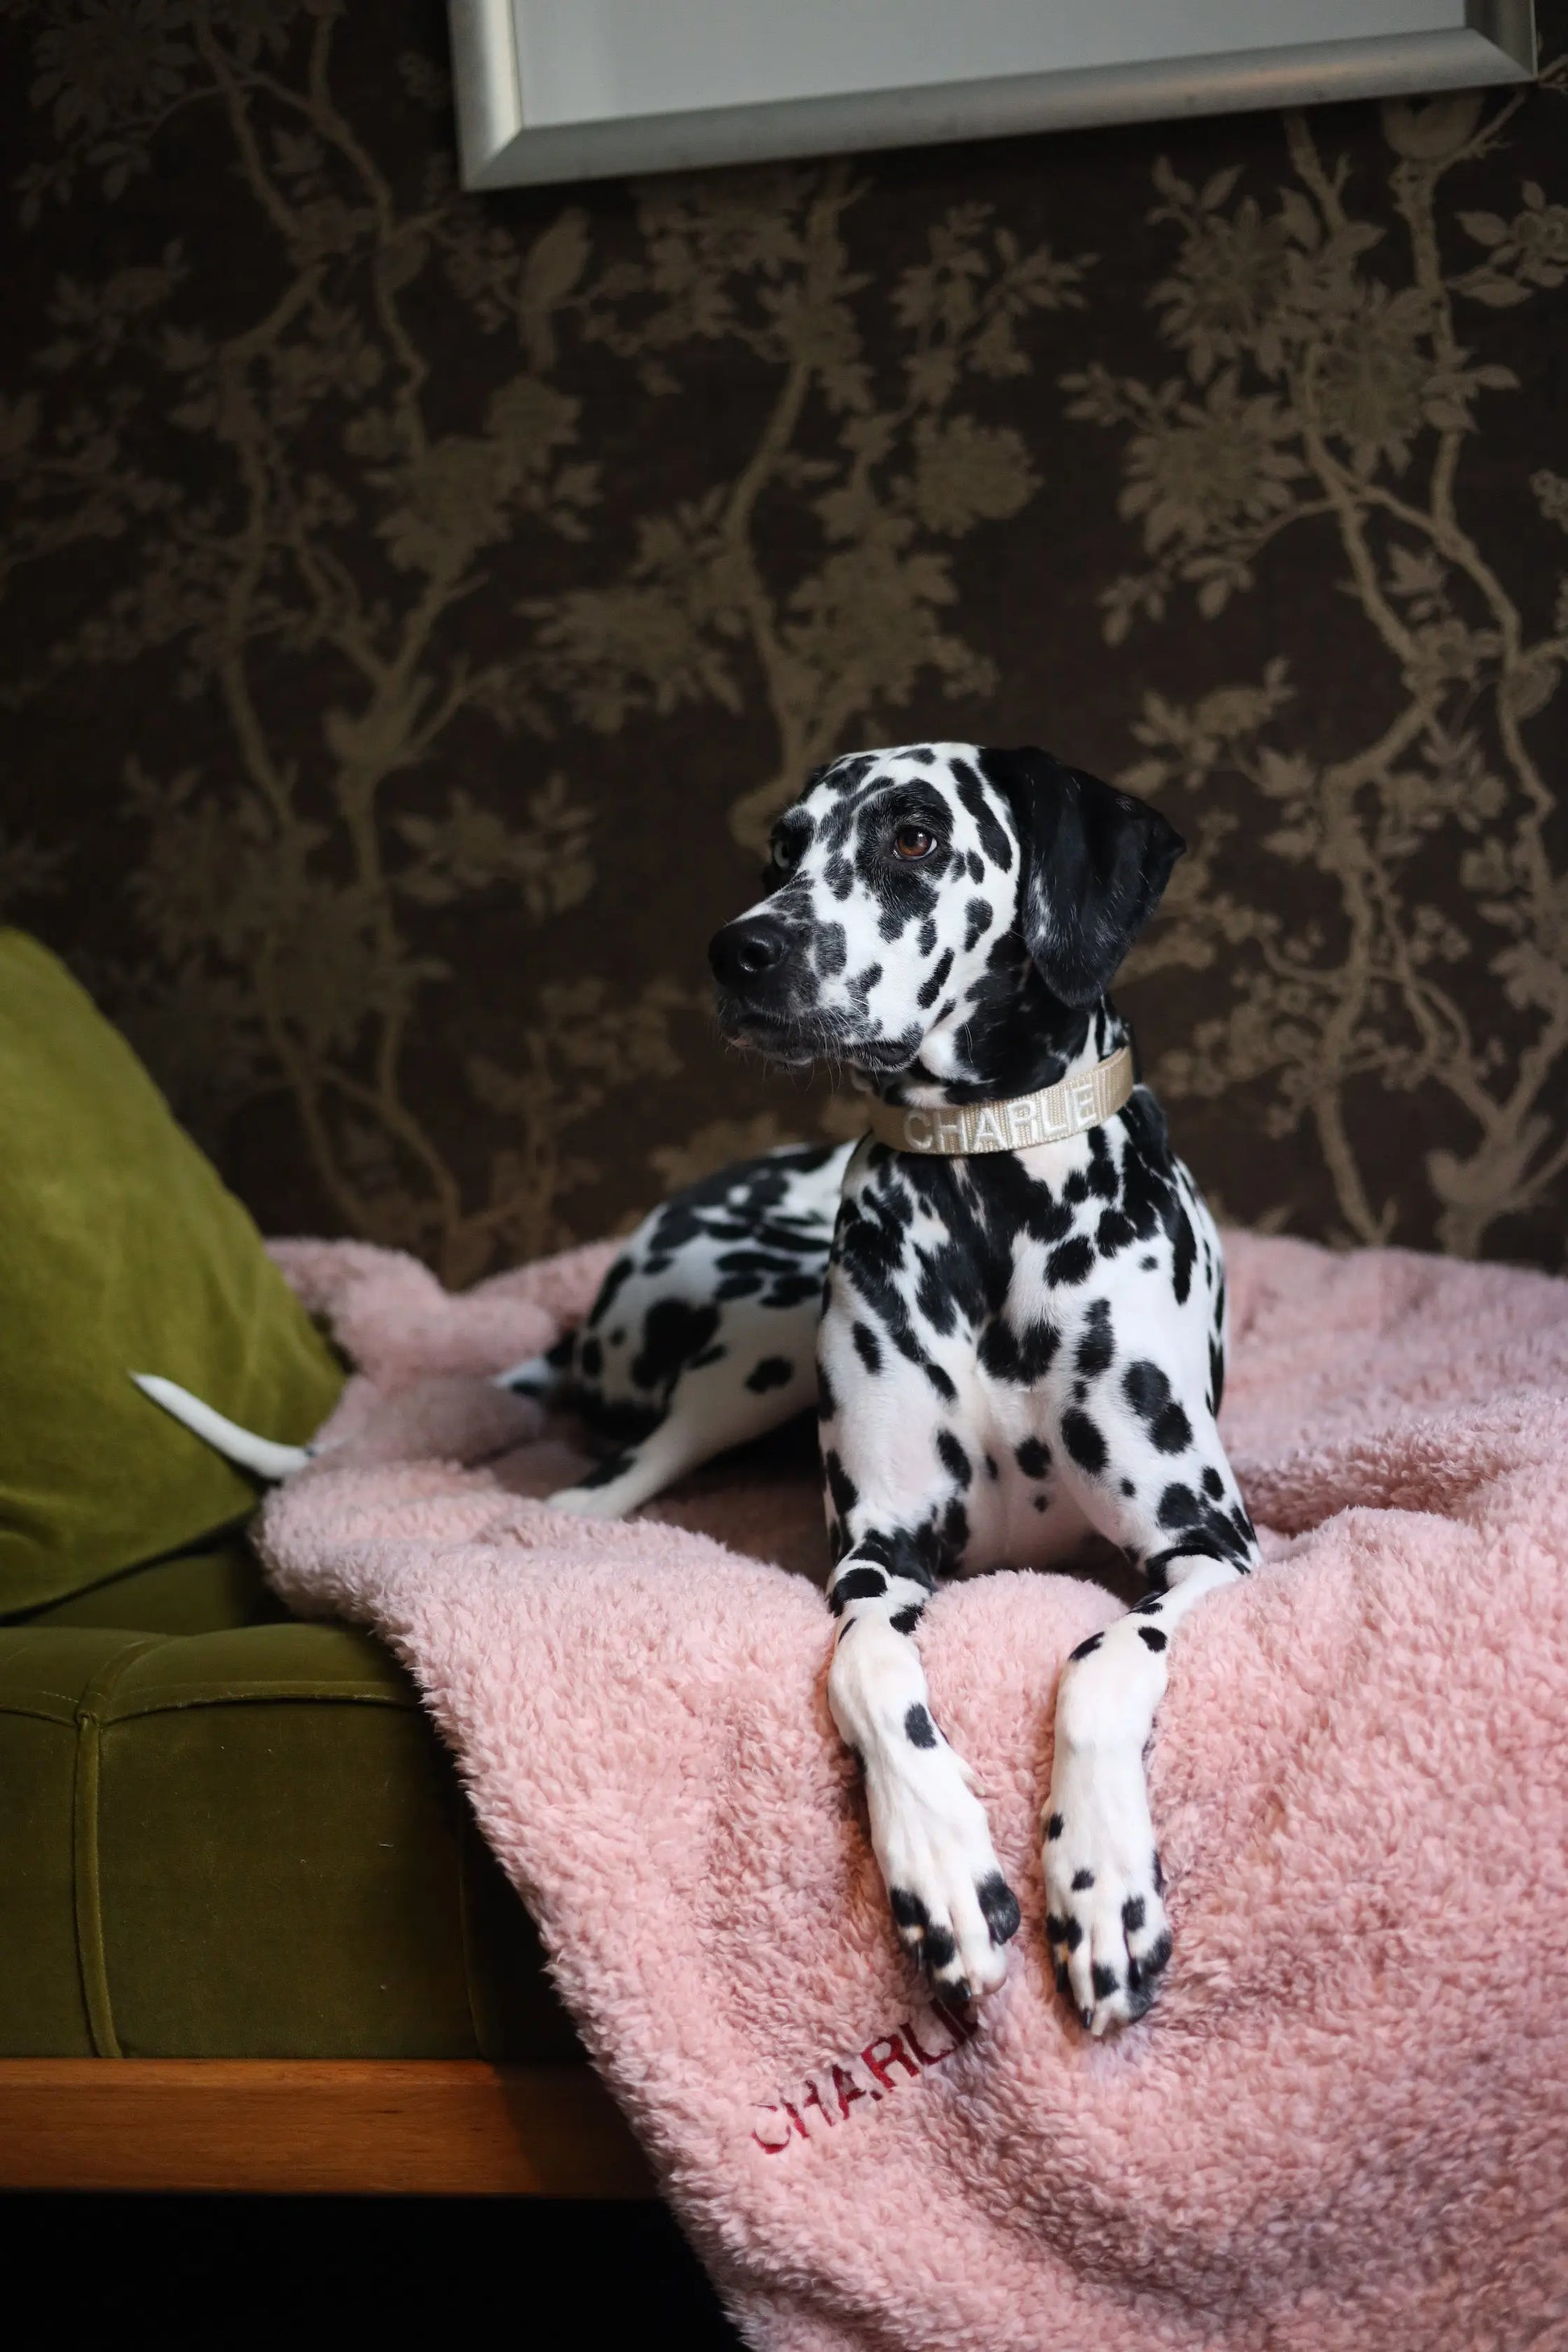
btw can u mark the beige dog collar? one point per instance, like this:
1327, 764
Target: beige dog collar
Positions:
1071, 1107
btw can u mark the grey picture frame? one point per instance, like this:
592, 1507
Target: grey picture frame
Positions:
499, 148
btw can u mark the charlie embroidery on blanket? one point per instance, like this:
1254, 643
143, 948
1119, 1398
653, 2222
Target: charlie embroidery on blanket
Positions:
1343, 2125
826, 2095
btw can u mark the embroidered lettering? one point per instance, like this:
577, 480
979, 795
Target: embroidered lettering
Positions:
1023, 1118
988, 1135
848, 2089
885, 2064
814, 2098
878, 2056
922, 1139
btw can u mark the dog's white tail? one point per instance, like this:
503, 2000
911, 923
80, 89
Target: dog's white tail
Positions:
226, 1437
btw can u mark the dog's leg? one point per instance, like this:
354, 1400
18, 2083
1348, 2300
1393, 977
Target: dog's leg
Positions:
1105, 1917
953, 1910
712, 1407
1165, 1492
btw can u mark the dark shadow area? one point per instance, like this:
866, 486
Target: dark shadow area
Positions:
590, 2277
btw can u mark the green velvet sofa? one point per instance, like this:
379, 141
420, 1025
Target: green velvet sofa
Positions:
228, 1836
232, 1851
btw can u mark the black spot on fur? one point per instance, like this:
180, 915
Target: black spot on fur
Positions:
1054, 1827
940, 1947
1083, 1441
1213, 1484
953, 1457
926, 995
1033, 1456
1096, 1346
1172, 1432
904, 1621
620, 1271
867, 1347
772, 1372
1183, 1253
1022, 1359
994, 840
845, 1494
674, 1335
855, 1584
591, 1359
1152, 1637
1132, 1914
1073, 1262
1104, 1981
1087, 1649
1179, 1507
1082, 1880
919, 1728
998, 1907
977, 915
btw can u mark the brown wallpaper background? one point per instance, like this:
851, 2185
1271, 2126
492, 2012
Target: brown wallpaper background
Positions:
416, 605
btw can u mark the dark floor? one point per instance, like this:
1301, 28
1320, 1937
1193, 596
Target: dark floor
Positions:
583, 2277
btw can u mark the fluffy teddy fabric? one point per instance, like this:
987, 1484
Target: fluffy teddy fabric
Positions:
1343, 2125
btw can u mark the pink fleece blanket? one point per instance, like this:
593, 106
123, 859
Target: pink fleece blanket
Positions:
1345, 2124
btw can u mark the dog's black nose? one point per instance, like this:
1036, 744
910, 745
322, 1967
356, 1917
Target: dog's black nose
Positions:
743, 952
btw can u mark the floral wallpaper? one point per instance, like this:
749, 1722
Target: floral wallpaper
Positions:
417, 603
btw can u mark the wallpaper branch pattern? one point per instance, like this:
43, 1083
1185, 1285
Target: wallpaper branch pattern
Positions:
419, 604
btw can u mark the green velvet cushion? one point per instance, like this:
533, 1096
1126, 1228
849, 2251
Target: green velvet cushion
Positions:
120, 1252
205, 1590
245, 1844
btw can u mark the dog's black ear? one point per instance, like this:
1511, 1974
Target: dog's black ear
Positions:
1096, 862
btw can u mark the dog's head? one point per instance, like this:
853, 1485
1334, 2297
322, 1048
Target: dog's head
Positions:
915, 892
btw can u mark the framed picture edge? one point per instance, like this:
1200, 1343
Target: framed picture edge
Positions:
497, 149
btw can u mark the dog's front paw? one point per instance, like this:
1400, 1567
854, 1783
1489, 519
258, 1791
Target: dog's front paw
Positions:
954, 1910
1109, 1934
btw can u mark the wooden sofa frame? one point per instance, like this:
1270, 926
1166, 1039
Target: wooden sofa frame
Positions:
323, 2127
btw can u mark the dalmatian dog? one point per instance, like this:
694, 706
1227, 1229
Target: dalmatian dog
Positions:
1007, 1302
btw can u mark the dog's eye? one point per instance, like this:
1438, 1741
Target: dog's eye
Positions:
913, 841
784, 856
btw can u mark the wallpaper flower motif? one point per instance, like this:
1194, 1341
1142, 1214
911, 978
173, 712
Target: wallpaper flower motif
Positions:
419, 604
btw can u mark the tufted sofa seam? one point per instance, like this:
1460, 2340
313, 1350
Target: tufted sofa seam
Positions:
92, 1962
